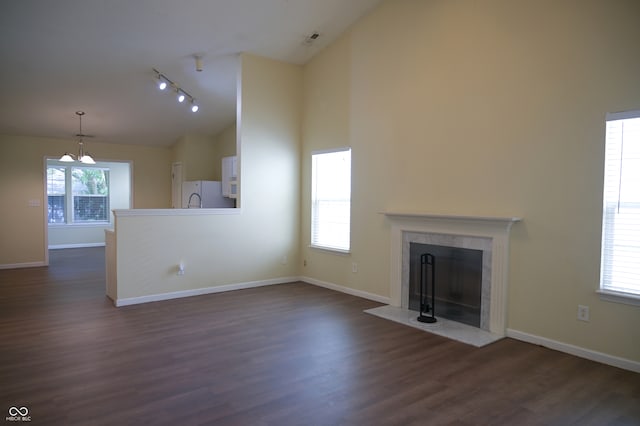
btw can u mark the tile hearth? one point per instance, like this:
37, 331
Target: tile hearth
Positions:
451, 329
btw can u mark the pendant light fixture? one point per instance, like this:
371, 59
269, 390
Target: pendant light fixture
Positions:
83, 157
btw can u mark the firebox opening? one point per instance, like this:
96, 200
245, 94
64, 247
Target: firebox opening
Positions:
458, 282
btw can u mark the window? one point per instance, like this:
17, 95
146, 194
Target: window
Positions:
620, 269
88, 197
331, 199
56, 188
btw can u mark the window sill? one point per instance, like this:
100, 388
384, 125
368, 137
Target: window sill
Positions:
331, 250
619, 297
81, 225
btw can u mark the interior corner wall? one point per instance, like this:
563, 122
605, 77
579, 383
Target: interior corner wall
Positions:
269, 154
493, 108
22, 186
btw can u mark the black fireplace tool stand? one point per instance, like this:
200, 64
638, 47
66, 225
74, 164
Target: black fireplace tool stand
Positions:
427, 263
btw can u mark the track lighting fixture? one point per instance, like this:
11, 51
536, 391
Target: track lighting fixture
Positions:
83, 157
181, 94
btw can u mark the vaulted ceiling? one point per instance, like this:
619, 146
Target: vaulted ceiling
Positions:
97, 56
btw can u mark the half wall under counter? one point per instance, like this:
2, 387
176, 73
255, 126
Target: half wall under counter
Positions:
216, 249
110, 263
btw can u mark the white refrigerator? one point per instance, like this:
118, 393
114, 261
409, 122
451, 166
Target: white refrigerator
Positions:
206, 194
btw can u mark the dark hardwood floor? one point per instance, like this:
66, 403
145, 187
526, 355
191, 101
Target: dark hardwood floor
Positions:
291, 354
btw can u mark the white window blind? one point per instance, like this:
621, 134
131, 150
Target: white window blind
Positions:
620, 269
90, 187
331, 199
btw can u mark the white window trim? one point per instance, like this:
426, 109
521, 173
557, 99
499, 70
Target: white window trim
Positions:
95, 224
69, 199
619, 297
332, 250
606, 294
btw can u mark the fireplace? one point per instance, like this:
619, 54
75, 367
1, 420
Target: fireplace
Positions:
456, 281
484, 237
462, 278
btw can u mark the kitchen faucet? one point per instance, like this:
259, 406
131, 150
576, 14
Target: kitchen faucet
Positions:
190, 196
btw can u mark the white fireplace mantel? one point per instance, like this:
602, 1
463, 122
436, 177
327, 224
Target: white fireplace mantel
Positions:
495, 220
495, 228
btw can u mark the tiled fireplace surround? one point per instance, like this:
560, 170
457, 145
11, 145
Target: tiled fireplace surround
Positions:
489, 234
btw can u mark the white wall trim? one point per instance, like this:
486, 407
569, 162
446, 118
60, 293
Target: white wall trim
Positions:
23, 265
71, 246
176, 212
347, 290
202, 291
600, 357
250, 284
619, 297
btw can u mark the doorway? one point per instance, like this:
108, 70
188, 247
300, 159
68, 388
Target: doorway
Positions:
80, 199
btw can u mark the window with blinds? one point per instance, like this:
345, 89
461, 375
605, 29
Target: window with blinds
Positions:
331, 199
84, 191
620, 269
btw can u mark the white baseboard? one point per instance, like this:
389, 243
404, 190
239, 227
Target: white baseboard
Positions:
251, 284
347, 290
201, 291
22, 265
600, 357
69, 246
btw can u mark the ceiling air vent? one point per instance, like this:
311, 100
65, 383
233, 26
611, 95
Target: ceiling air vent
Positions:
311, 38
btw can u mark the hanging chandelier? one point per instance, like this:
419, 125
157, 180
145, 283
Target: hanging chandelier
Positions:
82, 157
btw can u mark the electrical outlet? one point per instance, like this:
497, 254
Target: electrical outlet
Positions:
354, 267
304, 262
284, 259
583, 313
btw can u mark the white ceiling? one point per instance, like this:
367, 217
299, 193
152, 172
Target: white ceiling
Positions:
98, 56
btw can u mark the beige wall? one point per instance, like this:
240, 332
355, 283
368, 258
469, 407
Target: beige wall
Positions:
201, 156
492, 108
249, 244
225, 143
197, 153
22, 165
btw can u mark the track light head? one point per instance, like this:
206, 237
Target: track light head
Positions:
180, 96
194, 106
161, 80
